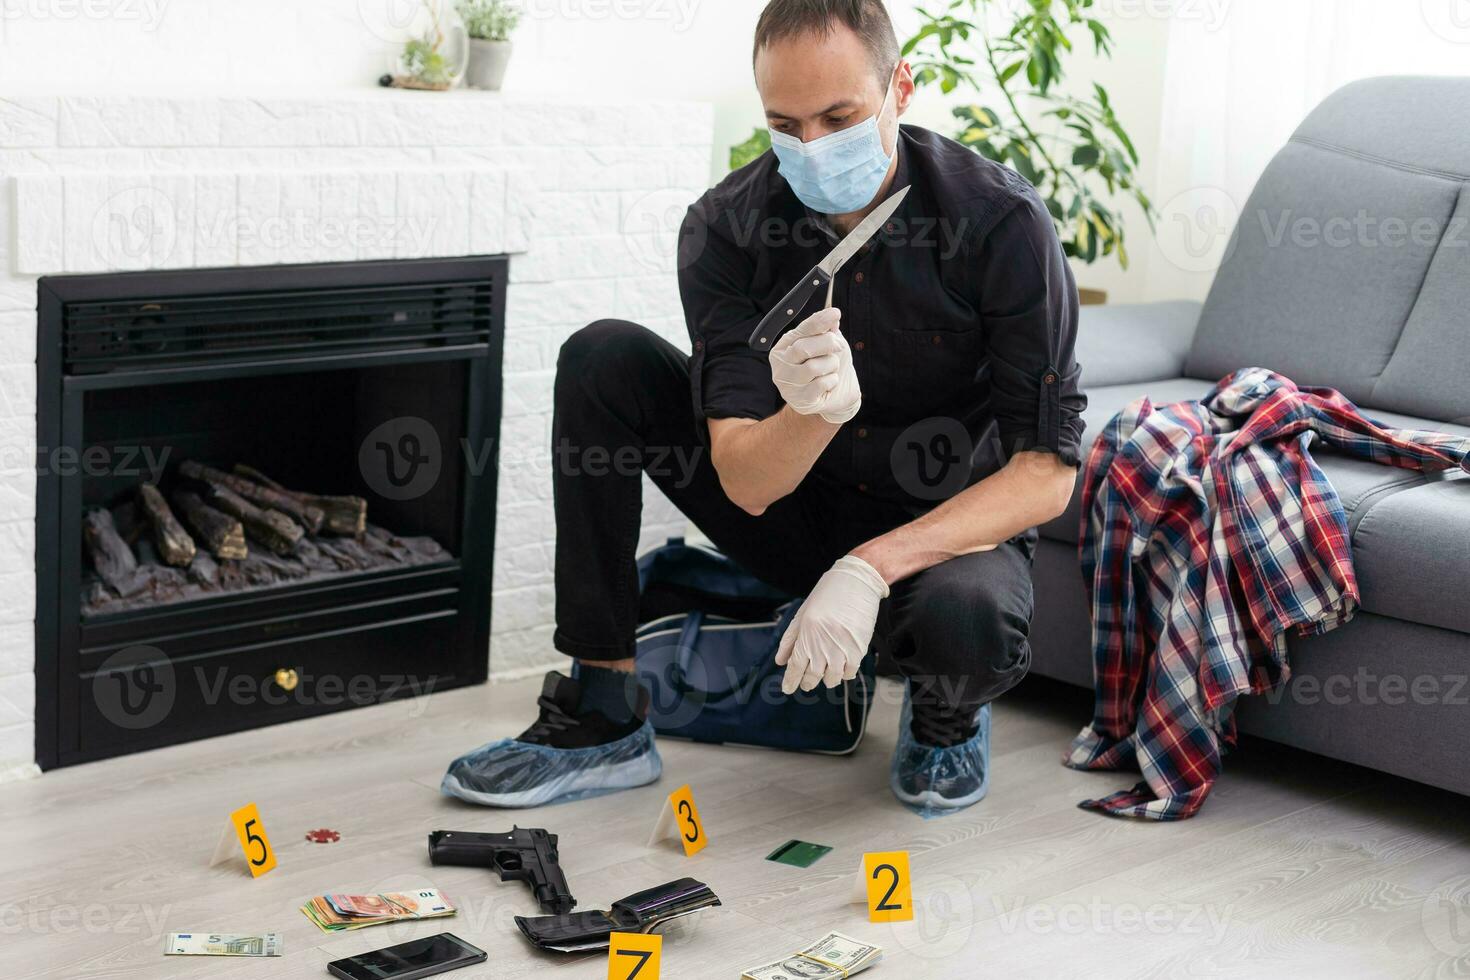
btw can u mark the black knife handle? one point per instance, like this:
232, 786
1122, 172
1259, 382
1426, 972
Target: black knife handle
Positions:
776, 321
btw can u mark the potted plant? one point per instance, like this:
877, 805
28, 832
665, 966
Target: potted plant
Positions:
751, 149
436, 58
489, 23
1072, 148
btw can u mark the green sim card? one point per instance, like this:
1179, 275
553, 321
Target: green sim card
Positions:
799, 853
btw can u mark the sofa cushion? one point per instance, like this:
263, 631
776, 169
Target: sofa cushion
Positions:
1413, 121
1412, 555
1331, 250
1311, 288
1119, 344
1362, 485
1426, 375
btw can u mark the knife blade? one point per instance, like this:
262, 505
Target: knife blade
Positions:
777, 320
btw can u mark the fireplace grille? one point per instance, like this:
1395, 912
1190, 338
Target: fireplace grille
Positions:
149, 333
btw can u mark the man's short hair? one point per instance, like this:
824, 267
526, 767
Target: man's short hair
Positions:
868, 19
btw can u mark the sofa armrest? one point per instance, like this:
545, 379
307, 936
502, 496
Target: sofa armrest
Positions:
1135, 343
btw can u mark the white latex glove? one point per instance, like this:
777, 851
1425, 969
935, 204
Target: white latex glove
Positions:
830, 633
812, 367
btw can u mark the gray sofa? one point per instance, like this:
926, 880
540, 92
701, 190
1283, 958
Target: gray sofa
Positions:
1378, 308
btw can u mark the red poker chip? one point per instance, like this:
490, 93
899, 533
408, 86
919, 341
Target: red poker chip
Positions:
323, 836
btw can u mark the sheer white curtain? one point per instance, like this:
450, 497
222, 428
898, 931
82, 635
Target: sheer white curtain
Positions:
1240, 76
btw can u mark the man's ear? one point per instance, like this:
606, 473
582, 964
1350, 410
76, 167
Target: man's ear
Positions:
904, 88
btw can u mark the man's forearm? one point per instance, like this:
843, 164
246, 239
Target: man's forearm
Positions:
1032, 489
761, 462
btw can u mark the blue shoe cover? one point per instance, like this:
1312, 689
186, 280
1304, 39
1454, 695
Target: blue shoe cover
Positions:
935, 782
515, 774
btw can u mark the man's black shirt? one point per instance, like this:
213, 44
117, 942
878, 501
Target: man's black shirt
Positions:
961, 315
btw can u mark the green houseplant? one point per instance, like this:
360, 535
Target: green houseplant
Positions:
436, 58
1073, 148
743, 153
425, 63
490, 23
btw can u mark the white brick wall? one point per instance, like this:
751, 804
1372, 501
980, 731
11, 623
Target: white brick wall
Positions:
585, 196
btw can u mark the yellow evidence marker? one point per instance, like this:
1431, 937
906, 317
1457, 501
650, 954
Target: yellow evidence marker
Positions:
680, 818
634, 956
260, 857
888, 887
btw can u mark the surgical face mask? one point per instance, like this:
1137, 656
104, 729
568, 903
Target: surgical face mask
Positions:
841, 172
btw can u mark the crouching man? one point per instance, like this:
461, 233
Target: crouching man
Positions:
889, 459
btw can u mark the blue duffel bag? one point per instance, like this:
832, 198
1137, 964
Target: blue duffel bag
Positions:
707, 654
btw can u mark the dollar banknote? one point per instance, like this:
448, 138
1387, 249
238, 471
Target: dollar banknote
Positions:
222, 944
340, 913
834, 955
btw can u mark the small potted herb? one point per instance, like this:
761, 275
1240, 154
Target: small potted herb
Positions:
436, 59
489, 23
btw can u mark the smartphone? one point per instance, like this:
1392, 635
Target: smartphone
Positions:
409, 961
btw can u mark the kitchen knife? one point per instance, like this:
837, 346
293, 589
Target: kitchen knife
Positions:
776, 321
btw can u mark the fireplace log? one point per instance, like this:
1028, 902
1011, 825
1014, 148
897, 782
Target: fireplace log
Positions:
262, 495
111, 556
251, 473
271, 528
174, 543
222, 534
344, 515
131, 525
203, 572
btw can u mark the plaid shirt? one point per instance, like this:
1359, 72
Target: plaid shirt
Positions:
1209, 533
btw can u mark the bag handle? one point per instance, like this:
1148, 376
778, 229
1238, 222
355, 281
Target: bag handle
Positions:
689, 648
688, 637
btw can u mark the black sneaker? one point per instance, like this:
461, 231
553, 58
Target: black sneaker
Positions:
936, 731
562, 725
941, 764
566, 754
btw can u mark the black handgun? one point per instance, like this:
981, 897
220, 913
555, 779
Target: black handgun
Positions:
521, 855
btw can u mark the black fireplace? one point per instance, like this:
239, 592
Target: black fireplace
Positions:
263, 494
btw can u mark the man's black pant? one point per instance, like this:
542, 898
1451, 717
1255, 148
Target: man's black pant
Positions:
957, 630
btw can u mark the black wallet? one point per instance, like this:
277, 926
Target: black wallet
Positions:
641, 912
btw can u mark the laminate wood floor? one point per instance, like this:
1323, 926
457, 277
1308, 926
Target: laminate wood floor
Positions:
1297, 867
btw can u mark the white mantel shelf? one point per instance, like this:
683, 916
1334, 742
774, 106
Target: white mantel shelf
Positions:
348, 117
585, 195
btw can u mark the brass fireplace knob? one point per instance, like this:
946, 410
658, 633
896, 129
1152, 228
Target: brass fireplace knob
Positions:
287, 679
